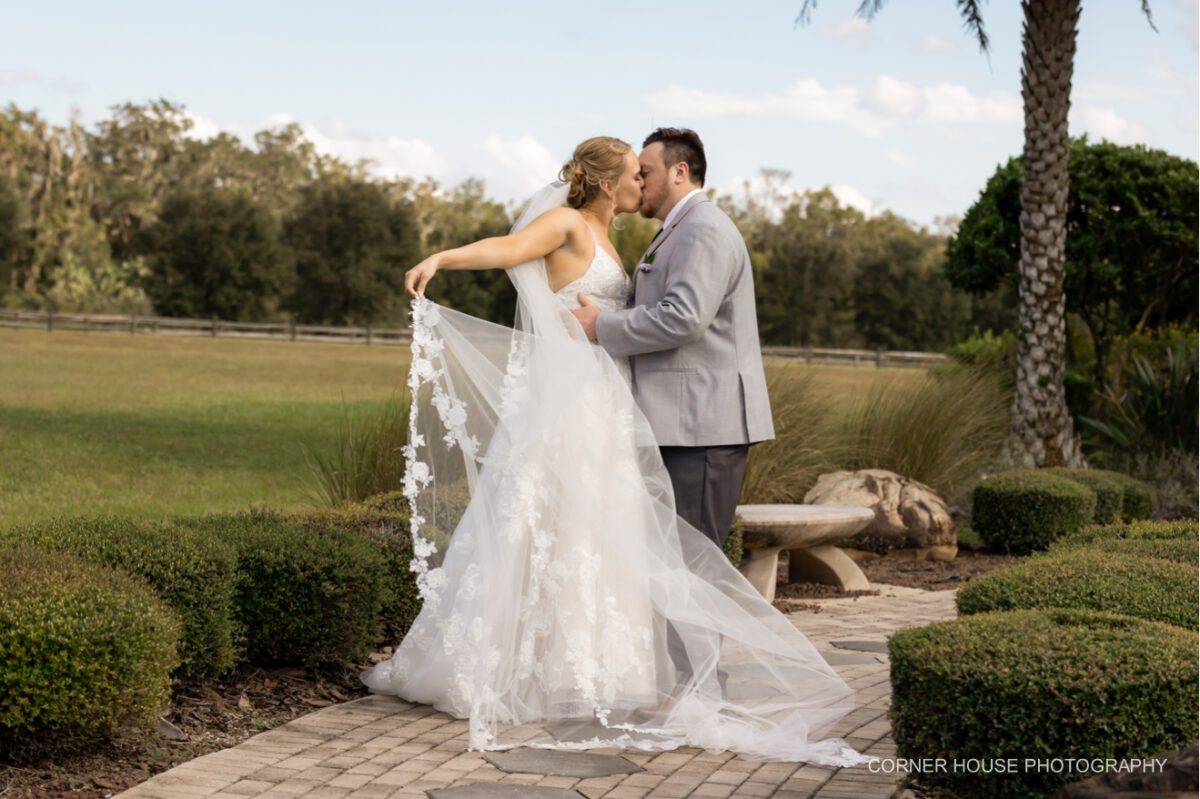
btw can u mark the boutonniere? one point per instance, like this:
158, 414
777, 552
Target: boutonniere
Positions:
645, 265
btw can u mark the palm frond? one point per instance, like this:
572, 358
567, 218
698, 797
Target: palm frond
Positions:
1149, 16
970, 9
867, 9
805, 15
973, 21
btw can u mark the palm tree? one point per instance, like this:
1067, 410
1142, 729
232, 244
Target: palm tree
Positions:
1042, 433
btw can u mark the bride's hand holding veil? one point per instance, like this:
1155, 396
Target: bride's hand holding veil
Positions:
556, 229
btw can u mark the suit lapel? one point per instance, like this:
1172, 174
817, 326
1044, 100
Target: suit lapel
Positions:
666, 232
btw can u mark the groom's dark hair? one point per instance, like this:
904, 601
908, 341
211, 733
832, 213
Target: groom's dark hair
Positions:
681, 144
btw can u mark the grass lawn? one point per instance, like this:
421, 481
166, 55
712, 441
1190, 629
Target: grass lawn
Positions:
152, 425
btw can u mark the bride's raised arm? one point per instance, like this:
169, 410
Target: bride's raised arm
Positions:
539, 238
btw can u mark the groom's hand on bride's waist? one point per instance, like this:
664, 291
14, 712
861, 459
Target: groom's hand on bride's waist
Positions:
587, 315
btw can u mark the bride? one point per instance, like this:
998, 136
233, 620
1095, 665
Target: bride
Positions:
566, 605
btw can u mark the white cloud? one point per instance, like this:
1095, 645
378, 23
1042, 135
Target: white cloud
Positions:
391, 156
851, 197
870, 109
202, 128
1105, 123
773, 191
519, 166
854, 31
936, 44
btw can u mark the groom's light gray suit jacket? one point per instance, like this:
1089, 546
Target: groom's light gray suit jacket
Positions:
692, 329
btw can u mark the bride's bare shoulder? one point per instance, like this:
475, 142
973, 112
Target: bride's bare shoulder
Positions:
565, 225
563, 216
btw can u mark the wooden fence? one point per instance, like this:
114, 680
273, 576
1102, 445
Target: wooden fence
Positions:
161, 325
289, 331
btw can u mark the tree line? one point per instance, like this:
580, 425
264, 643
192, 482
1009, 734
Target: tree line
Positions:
138, 216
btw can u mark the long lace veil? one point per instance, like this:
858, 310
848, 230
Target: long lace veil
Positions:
565, 603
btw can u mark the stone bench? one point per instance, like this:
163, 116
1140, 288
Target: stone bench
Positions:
809, 533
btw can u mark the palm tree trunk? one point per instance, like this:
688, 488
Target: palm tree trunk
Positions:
1042, 432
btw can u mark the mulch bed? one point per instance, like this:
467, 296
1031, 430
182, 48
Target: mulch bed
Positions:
213, 716
926, 574
217, 716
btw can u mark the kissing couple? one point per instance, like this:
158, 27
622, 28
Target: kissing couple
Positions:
572, 480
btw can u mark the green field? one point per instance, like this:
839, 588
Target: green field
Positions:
151, 425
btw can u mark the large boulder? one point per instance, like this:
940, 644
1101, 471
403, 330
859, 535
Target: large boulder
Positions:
911, 520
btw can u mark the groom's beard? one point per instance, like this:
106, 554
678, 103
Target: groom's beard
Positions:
650, 205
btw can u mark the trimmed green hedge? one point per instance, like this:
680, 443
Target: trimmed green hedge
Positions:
1023, 510
383, 520
83, 648
1039, 684
194, 574
1140, 500
1149, 588
1175, 541
1176, 549
1146, 530
302, 598
1108, 487
735, 543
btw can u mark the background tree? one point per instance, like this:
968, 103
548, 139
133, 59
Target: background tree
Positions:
138, 156
352, 244
1042, 432
900, 297
805, 287
452, 218
13, 244
214, 253
1131, 256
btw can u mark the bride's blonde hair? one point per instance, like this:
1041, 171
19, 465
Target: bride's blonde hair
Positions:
594, 161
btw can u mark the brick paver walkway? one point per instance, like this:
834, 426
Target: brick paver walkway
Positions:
379, 747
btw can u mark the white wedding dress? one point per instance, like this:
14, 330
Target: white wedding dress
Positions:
565, 604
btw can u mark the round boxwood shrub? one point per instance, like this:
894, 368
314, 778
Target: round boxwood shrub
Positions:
194, 574
83, 648
1023, 510
1140, 500
1108, 487
382, 520
1149, 588
302, 597
1175, 541
1039, 684
1178, 530
1177, 549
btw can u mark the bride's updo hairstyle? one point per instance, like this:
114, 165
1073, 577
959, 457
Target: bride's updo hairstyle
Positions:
596, 160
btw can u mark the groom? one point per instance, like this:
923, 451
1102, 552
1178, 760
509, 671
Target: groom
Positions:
692, 331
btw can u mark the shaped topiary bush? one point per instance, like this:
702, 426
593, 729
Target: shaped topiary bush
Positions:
193, 573
302, 597
1178, 530
383, 521
1108, 487
1039, 684
1175, 541
83, 648
1149, 588
1140, 500
1024, 510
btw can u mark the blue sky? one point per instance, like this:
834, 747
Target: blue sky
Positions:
903, 113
